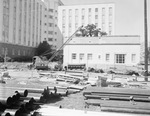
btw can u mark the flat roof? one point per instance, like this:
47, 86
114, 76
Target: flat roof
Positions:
117, 39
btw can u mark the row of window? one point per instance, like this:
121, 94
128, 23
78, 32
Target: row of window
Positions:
89, 11
97, 19
5, 26
16, 52
119, 58
51, 39
36, 13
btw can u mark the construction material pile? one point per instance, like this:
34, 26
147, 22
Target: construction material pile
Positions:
119, 99
24, 103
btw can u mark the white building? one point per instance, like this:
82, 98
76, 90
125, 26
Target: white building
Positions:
73, 16
107, 50
26, 23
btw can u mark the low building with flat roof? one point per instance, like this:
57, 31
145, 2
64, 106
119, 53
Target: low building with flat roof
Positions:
99, 51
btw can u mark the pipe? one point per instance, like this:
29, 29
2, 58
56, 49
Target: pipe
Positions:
128, 98
108, 90
22, 93
2, 107
35, 90
29, 97
9, 112
125, 110
6, 101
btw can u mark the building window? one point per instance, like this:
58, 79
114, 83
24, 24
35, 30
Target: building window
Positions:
120, 58
24, 52
103, 11
50, 32
5, 26
3, 50
76, 19
76, 25
6, 51
51, 24
63, 19
81, 56
51, 10
50, 39
110, 28
96, 9
89, 56
82, 17
96, 24
76, 12
73, 56
70, 12
89, 10
70, 19
63, 12
96, 16
50, 16
99, 57
107, 57
133, 58
83, 11
18, 52
110, 10
89, 18
13, 52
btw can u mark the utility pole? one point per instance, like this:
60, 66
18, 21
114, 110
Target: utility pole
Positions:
146, 41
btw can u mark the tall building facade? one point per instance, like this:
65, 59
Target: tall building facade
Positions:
73, 16
24, 24
52, 33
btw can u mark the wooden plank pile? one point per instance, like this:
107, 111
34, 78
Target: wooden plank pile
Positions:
119, 99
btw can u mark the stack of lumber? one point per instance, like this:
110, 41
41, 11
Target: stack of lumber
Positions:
119, 99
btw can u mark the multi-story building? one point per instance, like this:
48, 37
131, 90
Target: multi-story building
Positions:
73, 16
52, 33
26, 23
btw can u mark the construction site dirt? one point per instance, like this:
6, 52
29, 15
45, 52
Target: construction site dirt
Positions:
22, 79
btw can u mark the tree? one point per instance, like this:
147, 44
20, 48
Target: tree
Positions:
44, 49
90, 30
